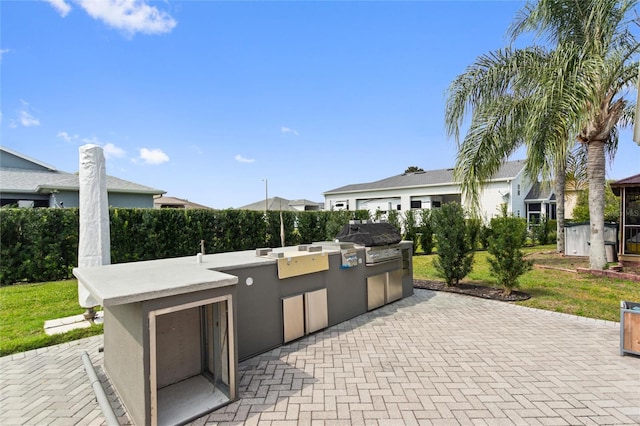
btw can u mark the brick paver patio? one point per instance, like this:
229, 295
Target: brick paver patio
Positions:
432, 359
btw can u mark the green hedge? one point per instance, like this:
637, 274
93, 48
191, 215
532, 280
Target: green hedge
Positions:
42, 244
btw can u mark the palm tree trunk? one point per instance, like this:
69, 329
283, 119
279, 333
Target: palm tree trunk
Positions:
561, 171
595, 173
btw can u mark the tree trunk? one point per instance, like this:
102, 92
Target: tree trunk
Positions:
595, 173
561, 172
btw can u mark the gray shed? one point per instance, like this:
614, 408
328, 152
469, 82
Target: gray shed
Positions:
576, 239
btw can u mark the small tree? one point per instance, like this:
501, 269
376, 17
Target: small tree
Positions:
485, 232
507, 263
455, 255
411, 228
426, 231
541, 231
611, 206
473, 230
413, 169
394, 218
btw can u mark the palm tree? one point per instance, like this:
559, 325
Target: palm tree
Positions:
546, 99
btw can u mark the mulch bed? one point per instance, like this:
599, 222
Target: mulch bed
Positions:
472, 290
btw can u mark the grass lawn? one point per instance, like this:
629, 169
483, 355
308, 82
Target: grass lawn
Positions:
25, 307
553, 290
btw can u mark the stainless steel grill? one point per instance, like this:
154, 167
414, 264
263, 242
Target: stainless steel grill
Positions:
379, 238
381, 254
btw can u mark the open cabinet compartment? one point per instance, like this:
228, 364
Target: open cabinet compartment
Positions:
192, 364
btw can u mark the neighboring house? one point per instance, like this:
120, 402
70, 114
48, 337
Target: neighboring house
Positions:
540, 201
278, 203
26, 182
164, 202
305, 205
432, 188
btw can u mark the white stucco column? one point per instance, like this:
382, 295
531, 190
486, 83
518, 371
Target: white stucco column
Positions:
94, 246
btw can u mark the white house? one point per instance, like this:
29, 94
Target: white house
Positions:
430, 189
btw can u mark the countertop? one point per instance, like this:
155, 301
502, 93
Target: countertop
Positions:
132, 282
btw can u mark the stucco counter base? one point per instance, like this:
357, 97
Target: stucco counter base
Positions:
169, 325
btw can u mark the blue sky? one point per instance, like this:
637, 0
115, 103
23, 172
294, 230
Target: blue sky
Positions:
206, 99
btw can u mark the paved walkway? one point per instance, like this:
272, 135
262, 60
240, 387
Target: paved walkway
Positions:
434, 358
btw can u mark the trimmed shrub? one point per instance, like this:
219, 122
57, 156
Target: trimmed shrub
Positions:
455, 254
474, 226
543, 231
42, 244
394, 218
37, 244
411, 228
485, 233
311, 227
507, 261
426, 231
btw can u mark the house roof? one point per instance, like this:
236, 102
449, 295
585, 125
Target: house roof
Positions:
28, 159
631, 181
161, 200
304, 202
509, 170
36, 181
274, 203
540, 192
48, 178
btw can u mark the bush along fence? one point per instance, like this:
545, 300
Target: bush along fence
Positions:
42, 244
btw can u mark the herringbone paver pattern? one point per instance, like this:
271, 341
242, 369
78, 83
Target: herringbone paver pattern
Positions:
432, 359
49, 386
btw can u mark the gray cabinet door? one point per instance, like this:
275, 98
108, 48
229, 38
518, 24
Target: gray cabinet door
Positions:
293, 316
375, 290
394, 285
316, 311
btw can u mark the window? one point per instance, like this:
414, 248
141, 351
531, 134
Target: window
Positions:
436, 204
631, 229
534, 211
399, 207
518, 189
534, 207
416, 204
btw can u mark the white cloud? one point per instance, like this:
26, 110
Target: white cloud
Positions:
153, 156
242, 159
112, 151
130, 16
25, 118
2, 52
67, 137
284, 129
61, 6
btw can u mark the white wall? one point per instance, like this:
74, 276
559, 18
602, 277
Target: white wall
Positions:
380, 198
517, 200
492, 196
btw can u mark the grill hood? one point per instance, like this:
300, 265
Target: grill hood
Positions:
369, 234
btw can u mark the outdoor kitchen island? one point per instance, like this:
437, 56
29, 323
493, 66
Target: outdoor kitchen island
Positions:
175, 329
